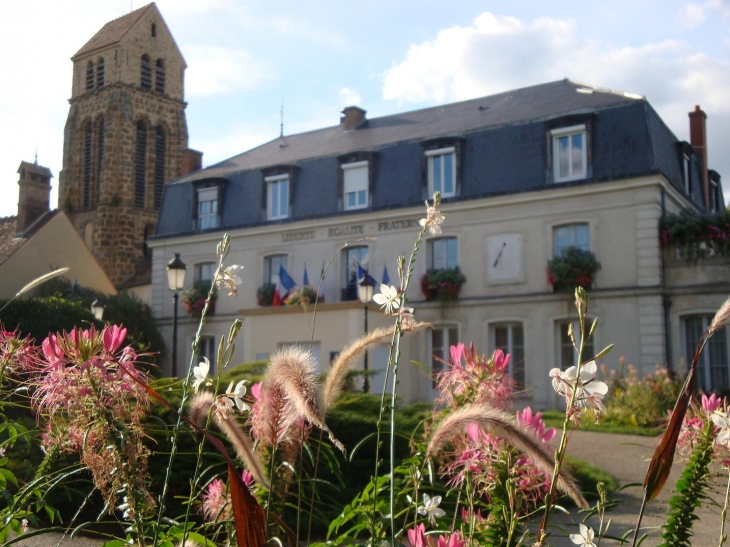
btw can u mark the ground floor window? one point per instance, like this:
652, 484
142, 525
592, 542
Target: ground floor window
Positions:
206, 348
712, 368
510, 338
567, 355
442, 338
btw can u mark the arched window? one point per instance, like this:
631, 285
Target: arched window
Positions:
160, 149
90, 76
146, 79
87, 167
140, 171
100, 73
160, 76
99, 159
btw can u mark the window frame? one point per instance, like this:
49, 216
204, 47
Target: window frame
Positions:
430, 264
431, 155
445, 353
555, 227
590, 346
271, 276
349, 287
516, 365
354, 166
705, 363
569, 132
205, 265
213, 215
277, 181
206, 343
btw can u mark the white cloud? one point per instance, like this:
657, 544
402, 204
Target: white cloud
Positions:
693, 15
499, 53
349, 97
218, 70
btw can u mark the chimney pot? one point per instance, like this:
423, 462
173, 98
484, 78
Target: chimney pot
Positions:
353, 117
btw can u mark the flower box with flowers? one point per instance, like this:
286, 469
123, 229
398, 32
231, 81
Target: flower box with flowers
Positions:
193, 299
444, 284
574, 267
265, 295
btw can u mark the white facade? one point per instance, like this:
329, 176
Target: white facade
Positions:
509, 297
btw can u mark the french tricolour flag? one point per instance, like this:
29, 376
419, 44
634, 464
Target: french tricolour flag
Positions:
283, 285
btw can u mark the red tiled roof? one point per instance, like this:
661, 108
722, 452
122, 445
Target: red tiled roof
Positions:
113, 31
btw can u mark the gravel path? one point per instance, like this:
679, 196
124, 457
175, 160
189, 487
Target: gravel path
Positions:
623, 456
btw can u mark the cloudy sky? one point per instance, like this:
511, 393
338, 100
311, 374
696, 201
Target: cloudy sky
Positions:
246, 57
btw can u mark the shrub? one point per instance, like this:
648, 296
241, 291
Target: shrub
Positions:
641, 402
574, 267
38, 317
124, 308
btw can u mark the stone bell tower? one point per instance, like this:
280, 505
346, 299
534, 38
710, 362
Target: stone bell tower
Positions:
125, 136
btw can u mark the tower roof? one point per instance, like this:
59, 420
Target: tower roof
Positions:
113, 31
35, 168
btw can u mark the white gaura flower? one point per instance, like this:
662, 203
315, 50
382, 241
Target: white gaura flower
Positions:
388, 298
584, 538
433, 221
236, 395
200, 373
229, 279
722, 420
431, 509
406, 317
588, 391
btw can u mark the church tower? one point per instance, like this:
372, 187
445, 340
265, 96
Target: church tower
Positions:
125, 136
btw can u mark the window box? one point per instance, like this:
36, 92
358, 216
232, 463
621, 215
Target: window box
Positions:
574, 267
265, 295
302, 295
696, 235
444, 284
194, 298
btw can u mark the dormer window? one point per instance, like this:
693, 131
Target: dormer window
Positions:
208, 208
442, 171
277, 197
355, 180
570, 157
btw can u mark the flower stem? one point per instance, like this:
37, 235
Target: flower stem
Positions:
723, 515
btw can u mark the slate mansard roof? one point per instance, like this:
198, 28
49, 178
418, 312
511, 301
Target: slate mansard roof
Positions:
504, 149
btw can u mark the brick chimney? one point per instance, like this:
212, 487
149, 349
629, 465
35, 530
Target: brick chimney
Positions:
698, 140
353, 117
192, 160
34, 196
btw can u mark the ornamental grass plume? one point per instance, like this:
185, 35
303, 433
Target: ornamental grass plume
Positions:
344, 361
495, 421
89, 392
295, 370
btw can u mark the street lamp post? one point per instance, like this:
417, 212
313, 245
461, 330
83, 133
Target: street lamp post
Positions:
97, 309
176, 269
365, 293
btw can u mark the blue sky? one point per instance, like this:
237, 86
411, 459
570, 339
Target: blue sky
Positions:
244, 58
